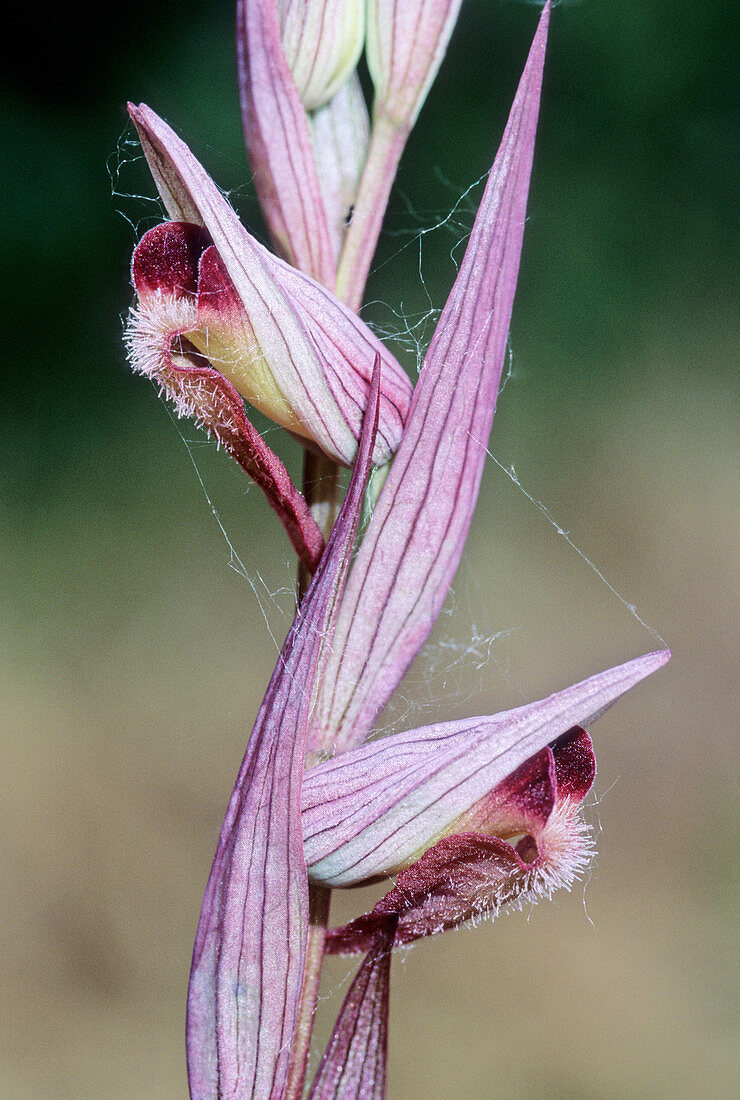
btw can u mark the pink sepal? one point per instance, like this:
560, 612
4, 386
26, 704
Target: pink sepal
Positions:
371, 811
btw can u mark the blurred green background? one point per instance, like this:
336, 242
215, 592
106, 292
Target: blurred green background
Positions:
133, 657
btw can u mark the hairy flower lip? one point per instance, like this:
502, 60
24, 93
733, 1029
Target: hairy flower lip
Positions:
178, 260
523, 841
474, 876
158, 348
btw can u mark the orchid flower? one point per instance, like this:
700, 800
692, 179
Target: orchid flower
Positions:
219, 318
471, 815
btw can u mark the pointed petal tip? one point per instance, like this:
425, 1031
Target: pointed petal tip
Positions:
654, 661
539, 42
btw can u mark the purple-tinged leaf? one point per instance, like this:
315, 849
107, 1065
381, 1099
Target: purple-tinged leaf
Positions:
354, 1062
249, 953
373, 810
279, 144
414, 540
318, 352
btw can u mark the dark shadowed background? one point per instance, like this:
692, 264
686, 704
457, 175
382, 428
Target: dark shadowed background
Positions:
133, 657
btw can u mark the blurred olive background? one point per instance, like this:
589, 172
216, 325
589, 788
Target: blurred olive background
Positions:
135, 649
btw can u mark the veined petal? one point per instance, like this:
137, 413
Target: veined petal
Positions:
249, 951
354, 1063
373, 810
278, 140
319, 353
414, 540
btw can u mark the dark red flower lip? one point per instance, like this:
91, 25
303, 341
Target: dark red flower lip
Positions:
167, 258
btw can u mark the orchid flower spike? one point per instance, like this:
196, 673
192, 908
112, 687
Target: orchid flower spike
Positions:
471, 815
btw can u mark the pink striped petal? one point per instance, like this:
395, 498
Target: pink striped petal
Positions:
249, 951
373, 810
354, 1062
414, 540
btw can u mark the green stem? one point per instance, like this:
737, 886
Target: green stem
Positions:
321, 490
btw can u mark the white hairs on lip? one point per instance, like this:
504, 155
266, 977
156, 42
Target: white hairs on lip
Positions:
152, 325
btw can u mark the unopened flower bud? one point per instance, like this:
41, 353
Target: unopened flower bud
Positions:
406, 41
322, 40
